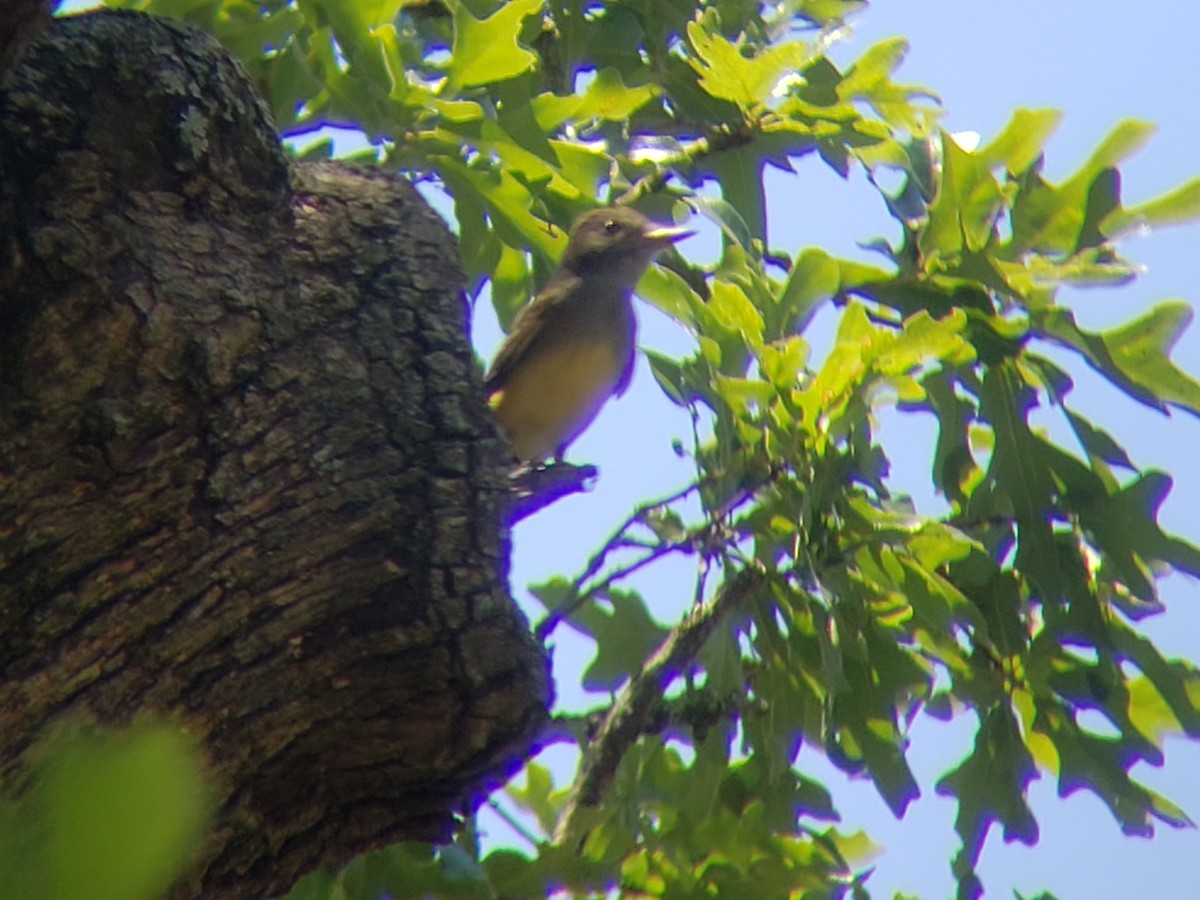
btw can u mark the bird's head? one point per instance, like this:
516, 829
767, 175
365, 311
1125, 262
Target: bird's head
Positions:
617, 241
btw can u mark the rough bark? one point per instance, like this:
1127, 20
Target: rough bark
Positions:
20, 23
247, 477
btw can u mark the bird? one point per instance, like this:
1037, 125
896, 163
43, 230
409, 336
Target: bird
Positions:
572, 347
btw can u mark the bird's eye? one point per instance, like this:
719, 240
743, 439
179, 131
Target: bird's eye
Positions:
611, 226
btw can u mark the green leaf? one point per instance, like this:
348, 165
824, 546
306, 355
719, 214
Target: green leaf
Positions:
478, 246
1125, 529
1015, 468
414, 870
1021, 142
1103, 196
540, 169
110, 817
870, 80
785, 794
726, 217
513, 874
486, 50
727, 73
352, 23
625, 635
669, 375
1050, 219
739, 172
1101, 765
875, 66
1135, 357
1171, 683
954, 466
828, 12
537, 796
874, 742
1098, 443
388, 43
1034, 274
815, 277
721, 659
991, 786
554, 594
509, 204
964, 212
1173, 208
512, 284
1021, 484
583, 166
607, 99
734, 314
848, 363
925, 339
782, 362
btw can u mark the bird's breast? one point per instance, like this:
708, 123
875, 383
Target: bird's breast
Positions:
556, 392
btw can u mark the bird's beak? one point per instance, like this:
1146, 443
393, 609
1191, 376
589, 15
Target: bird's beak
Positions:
666, 234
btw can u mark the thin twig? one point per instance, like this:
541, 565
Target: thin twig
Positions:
639, 514
596, 562
699, 537
626, 719
514, 823
717, 140
702, 570
555, 616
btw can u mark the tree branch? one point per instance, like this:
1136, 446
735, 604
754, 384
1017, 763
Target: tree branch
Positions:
699, 537
532, 489
550, 622
715, 140
627, 717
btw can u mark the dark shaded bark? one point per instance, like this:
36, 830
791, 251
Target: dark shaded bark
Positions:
247, 477
20, 23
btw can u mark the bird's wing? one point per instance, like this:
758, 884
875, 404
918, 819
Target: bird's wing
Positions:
529, 330
631, 358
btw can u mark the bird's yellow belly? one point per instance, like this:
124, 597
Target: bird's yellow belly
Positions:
555, 395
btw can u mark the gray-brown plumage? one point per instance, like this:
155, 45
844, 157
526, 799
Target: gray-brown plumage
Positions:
573, 346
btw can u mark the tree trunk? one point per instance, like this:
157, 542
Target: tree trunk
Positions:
247, 476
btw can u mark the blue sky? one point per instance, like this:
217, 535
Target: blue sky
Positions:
1099, 62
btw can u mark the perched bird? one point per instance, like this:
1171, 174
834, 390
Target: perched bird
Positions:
573, 346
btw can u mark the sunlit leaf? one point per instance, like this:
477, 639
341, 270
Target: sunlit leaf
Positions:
747, 80
1023, 139
537, 795
1172, 208
487, 50
815, 277
607, 98
1048, 218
